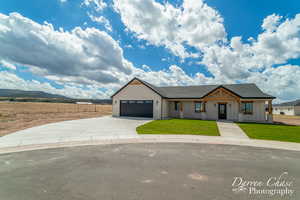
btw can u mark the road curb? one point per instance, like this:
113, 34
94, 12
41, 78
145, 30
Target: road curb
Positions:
160, 139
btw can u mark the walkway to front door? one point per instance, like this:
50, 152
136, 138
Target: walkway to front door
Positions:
230, 129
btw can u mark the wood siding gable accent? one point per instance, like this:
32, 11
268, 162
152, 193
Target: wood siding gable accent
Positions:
221, 94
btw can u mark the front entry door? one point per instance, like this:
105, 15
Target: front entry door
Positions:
222, 111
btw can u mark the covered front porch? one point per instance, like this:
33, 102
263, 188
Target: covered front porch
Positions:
221, 105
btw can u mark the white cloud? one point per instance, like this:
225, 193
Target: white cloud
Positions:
279, 42
93, 59
101, 20
98, 4
129, 46
271, 22
276, 45
283, 81
88, 54
63, 1
254, 61
9, 80
7, 65
194, 23
174, 75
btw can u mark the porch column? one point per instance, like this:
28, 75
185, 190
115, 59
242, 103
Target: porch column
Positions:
181, 109
270, 111
203, 113
240, 114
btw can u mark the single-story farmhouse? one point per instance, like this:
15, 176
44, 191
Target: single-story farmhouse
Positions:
235, 102
288, 108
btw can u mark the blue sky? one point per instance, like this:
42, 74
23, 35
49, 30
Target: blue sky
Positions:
189, 42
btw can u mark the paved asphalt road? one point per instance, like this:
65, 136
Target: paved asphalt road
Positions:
144, 171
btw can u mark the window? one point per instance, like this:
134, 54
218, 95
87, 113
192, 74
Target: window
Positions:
176, 105
199, 107
247, 107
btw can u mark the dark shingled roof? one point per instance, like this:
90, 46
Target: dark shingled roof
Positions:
188, 92
290, 103
248, 90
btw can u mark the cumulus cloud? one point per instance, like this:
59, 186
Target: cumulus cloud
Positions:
193, 23
254, 61
101, 20
271, 22
283, 81
174, 75
82, 54
99, 5
7, 65
91, 59
276, 45
10, 80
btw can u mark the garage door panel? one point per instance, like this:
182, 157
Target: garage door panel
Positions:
136, 108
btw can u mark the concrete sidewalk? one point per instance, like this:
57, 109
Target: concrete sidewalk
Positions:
231, 130
160, 139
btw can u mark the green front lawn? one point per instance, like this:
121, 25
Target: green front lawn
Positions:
272, 132
180, 126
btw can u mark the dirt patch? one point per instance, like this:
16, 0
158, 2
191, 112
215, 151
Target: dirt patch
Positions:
285, 119
19, 116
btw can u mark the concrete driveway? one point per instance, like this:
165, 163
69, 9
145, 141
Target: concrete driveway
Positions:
91, 129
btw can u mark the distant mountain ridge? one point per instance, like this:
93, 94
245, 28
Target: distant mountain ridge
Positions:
39, 96
14, 93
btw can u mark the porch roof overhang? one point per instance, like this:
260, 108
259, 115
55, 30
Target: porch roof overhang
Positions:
202, 99
184, 99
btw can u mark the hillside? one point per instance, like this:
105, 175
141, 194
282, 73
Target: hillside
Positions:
39, 96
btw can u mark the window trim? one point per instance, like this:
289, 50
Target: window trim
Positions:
244, 110
201, 107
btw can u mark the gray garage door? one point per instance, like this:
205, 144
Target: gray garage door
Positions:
136, 108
